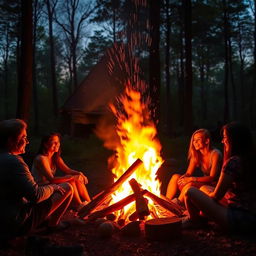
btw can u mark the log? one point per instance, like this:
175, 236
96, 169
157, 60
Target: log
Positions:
114, 207
134, 216
170, 206
141, 203
163, 228
87, 209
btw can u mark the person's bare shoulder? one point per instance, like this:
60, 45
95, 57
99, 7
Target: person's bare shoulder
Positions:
216, 153
39, 159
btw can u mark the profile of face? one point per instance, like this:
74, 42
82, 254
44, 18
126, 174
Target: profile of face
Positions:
225, 141
21, 143
53, 144
199, 141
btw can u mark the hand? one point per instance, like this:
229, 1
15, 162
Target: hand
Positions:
83, 178
182, 181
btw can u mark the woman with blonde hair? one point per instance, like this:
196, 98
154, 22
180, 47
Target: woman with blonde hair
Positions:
201, 155
237, 211
46, 163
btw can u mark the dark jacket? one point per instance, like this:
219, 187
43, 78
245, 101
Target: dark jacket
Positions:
18, 192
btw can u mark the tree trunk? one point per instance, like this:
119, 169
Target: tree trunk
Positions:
74, 65
26, 59
226, 68
115, 4
253, 90
207, 74
180, 77
167, 68
188, 115
202, 88
242, 98
35, 96
233, 85
6, 78
154, 58
50, 10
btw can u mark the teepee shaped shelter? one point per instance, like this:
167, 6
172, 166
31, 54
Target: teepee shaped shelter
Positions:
103, 84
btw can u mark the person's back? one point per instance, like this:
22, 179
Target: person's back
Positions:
18, 191
10, 196
242, 193
24, 203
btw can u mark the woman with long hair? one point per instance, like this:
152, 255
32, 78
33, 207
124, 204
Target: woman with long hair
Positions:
48, 160
237, 211
202, 155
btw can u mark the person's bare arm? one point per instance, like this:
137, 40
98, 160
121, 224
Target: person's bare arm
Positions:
224, 183
186, 178
43, 166
191, 168
63, 166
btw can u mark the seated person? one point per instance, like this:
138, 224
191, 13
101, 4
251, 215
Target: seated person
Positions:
237, 212
201, 154
25, 204
46, 163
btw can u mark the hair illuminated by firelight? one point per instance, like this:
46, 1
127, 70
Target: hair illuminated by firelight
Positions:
196, 154
10, 129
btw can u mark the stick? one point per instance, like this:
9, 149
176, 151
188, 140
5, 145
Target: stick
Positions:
114, 207
141, 203
87, 209
170, 206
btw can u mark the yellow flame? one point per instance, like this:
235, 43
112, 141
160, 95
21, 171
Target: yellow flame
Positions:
137, 140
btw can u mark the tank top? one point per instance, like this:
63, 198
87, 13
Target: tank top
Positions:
38, 175
207, 170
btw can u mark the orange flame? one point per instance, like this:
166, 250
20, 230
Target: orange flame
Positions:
137, 135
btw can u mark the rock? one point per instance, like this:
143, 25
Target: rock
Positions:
131, 229
106, 229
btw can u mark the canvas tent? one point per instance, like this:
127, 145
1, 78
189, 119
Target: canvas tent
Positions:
103, 84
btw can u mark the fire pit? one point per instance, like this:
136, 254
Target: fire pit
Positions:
135, 194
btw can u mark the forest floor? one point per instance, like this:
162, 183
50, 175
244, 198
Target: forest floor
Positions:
84, 239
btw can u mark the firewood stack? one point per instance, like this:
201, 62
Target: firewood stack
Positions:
139, 196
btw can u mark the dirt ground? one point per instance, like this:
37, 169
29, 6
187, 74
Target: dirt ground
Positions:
86, 240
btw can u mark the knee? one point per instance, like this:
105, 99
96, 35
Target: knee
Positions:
190, 192
67, 187
175, 177
206, 189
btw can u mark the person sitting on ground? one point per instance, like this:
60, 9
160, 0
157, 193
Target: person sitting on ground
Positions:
48, 160
201, 155
237, 211
25, 205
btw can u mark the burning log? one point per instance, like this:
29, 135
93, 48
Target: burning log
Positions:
141, 203
87, 209
170, 206
134, 216
114, 207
